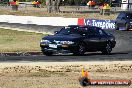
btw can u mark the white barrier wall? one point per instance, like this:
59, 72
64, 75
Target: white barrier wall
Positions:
53, 21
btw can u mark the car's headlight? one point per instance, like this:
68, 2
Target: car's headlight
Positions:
45, 41
67, 42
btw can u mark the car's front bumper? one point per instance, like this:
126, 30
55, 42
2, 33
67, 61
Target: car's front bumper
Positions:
59, 49
55, 50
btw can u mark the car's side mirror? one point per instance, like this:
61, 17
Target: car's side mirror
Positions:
56, 32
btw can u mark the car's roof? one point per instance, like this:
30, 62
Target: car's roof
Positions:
85, 26
88, 26
73, 25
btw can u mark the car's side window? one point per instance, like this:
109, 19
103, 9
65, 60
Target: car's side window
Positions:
90, 32
96, 31
84, 31
101, 32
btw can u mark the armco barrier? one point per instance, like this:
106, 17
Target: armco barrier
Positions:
53, 21
104, 24
56, 21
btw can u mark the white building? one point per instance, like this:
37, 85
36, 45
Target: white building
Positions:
126, 5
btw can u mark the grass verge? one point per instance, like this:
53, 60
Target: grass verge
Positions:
19, 41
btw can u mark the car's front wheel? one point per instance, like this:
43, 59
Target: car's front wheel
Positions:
107, 49
80, 50
126, 26
47, 53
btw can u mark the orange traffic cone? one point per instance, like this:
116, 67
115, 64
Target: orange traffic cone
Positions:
84, 73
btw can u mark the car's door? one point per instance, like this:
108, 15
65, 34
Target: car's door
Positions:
92, 40
102, 38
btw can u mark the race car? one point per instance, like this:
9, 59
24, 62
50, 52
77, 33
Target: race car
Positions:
78, 40
124, 21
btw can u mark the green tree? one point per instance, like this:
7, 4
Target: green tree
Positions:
53, 5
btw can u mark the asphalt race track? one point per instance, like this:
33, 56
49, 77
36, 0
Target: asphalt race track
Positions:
65, 58
122, 52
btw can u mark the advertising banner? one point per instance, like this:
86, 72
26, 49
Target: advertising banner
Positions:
104, 24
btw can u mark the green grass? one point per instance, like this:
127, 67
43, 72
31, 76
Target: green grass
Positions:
19, 41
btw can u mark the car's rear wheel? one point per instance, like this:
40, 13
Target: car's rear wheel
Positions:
48, 53
107, 49
80, 50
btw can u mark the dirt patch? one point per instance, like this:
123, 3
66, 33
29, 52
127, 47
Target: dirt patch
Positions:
28, 71
60, 75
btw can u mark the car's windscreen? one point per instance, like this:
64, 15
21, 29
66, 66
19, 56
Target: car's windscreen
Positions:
65, 31
70, 30
129, 16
